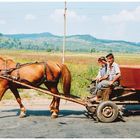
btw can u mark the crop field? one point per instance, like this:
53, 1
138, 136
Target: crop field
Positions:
83, 66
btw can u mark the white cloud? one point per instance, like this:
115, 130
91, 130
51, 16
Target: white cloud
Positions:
120, 25
124, 16
58, 16
2, 21
30, 17
12, 31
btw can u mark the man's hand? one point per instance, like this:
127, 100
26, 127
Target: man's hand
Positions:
115, 79
111, 83
98, 79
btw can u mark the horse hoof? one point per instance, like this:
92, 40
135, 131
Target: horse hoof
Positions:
51, 111
22, 114
54, 115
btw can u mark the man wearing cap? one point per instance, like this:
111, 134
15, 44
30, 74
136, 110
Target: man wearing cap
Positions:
111, 79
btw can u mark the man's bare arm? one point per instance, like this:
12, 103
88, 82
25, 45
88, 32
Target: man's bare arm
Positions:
115, 78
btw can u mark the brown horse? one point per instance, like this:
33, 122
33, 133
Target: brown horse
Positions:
48, 73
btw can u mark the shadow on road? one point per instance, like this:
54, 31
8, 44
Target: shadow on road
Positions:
132, 110
62, 113
7, 116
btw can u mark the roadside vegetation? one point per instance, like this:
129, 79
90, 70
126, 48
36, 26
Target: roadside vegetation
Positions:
83, 67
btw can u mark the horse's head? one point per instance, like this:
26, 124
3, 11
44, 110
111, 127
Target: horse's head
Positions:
6, 63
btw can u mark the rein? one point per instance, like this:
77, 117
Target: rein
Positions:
18, 66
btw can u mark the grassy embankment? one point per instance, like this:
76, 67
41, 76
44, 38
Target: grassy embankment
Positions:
82, 67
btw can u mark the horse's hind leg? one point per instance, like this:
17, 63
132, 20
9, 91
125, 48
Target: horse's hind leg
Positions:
17, 96
54, 106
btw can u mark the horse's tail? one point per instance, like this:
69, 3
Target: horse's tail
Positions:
66, 80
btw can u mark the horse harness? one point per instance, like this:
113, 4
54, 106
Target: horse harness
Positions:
6, 72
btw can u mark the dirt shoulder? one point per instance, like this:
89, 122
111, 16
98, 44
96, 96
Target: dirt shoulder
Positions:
40, 102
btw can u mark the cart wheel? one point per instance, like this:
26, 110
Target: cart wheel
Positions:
107, 111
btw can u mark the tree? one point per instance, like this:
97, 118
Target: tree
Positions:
92, 50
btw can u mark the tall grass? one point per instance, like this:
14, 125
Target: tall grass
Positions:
81, 75
82, 66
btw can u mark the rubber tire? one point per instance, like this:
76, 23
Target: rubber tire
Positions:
101, 117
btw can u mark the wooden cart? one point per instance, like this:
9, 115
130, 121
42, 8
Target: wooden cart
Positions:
128, 93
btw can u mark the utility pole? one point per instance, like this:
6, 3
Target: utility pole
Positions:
64, 38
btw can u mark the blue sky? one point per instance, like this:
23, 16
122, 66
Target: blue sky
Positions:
106, 20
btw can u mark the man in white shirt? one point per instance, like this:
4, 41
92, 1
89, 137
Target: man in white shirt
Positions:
112, 77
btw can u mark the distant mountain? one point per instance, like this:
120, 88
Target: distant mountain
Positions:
30, 36
82, 43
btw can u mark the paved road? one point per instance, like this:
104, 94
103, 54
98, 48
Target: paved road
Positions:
70, 124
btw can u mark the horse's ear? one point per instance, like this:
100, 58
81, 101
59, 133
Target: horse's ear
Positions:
10, 61
1, 59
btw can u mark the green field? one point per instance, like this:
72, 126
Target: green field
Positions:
83, 66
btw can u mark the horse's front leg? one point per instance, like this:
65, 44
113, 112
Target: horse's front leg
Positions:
3, 87
17, 96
